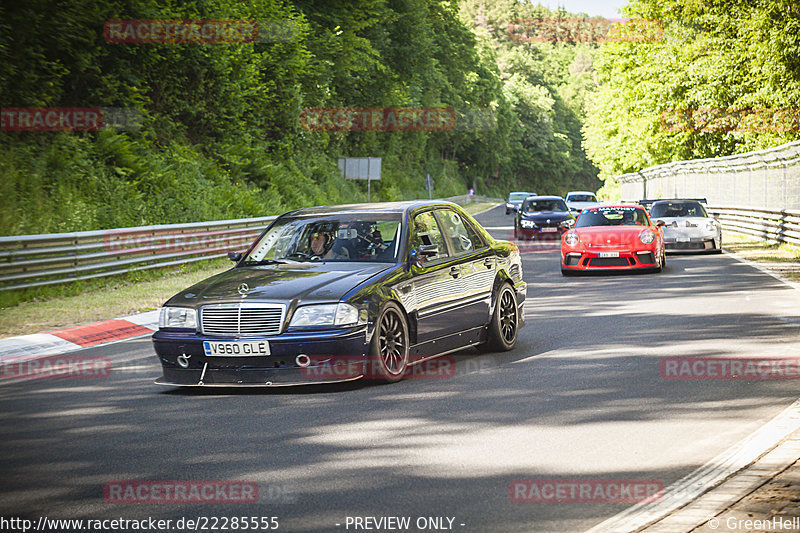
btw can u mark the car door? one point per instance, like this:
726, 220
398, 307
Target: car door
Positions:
432, 287
476, 264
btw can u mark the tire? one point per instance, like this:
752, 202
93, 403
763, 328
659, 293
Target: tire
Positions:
657, 269
718, 246
504, 326
663, 263
388, 350
567, 272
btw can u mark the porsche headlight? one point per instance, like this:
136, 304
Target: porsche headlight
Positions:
571, 239
647, 236
711, 226
177, 317
527, 224
325, 315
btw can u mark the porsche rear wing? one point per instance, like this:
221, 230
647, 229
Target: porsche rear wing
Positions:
648, 203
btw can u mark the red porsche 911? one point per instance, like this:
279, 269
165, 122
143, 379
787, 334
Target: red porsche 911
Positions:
613, 237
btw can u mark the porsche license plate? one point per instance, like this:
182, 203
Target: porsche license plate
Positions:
608, 254
549, 230
236, 349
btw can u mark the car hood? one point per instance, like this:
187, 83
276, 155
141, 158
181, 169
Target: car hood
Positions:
610, 235
684, 222
581, 205
686, 226
323, 282
541, 217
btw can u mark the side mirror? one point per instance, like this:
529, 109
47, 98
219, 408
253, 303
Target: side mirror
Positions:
235, 256
661, 223
568, 223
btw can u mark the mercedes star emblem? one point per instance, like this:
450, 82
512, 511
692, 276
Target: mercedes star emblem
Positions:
243, 288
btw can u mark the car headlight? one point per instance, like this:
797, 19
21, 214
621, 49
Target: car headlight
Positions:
325, 315
647, 236
711, 226
527, 224
177, 317
571, 239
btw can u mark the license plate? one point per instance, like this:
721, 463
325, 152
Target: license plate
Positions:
548, 230
236, 349
682, 239
608, 254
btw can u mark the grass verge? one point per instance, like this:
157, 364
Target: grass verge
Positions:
478, 207
783, 259
56, 307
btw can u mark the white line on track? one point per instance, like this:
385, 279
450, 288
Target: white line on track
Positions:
716, 471
708, 476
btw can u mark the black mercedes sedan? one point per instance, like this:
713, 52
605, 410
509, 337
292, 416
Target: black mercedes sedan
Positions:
328, 294
543, 218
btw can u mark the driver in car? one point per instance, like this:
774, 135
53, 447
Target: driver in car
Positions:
322, 246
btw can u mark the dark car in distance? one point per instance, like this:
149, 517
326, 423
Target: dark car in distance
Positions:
542, 218
515, 199
337, 293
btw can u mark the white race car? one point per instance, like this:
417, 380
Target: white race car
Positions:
577, 201
688, 227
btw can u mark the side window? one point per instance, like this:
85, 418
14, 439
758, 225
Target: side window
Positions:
460, 235
426, 232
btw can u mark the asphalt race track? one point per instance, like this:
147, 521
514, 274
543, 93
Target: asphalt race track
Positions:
581, 397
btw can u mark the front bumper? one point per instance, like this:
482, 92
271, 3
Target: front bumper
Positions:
539, 235
692, 244
690, 239
325, 350
582, 260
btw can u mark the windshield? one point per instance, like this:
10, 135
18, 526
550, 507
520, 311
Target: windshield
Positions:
535, 206
612, 216
677, 209
357, 237
517, 196
581, 198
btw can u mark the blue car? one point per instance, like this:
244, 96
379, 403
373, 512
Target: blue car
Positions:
542, 218
329, 294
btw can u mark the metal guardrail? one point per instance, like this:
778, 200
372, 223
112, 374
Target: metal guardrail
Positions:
37, 260
778, 226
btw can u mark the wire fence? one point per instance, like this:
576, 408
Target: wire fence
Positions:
36, 260
767, 179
